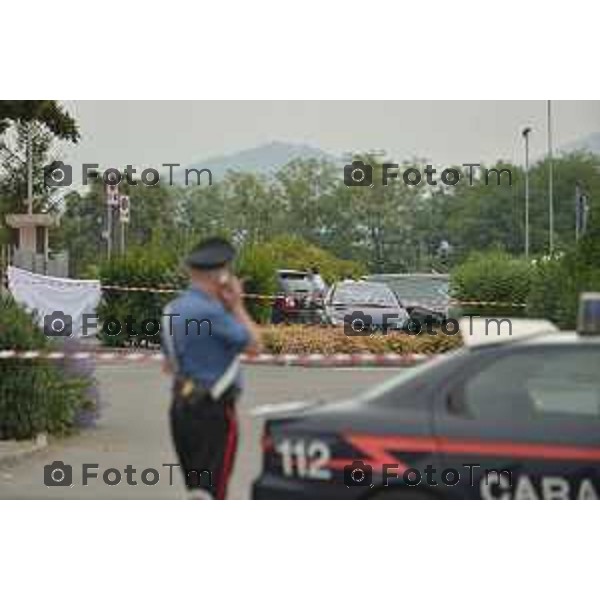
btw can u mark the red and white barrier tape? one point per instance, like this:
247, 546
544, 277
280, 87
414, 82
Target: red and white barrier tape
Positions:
304, 360
151, 290
120, 288
482, 303
424, 301
427, 302
336, 360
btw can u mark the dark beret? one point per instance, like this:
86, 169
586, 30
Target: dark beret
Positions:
211, 254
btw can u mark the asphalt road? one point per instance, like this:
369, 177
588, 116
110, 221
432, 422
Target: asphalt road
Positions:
133, 430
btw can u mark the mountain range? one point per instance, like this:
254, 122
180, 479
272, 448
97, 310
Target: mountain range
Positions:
269, 158
265, 160
589, 143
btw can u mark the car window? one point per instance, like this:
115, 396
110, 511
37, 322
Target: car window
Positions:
364, 294
290, 276
537, 383
296, 282
432, 292
398, 389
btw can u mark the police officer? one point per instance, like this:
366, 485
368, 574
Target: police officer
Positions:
204, 331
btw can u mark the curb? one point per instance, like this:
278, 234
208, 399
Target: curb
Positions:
302, 360
11, 451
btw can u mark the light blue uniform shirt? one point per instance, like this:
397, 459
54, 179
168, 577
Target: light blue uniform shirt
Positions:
208, 345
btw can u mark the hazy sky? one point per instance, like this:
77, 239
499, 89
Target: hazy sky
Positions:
149, 133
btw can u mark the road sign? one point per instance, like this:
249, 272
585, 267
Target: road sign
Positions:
124, 209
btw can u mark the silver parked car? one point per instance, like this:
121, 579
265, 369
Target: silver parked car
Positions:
362, 306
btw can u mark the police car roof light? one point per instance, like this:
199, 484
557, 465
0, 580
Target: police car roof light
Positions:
485, 331
589, 314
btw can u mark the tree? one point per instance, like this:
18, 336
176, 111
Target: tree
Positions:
44, 112
393, 228
569, 169
80, 233
252, 210
153, 222
304, 188
13, 169
484, 215
36, 123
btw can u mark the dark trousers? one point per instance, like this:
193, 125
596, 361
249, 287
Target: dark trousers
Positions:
205, 436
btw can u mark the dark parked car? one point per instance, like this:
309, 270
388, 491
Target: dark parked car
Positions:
422, 294
297, 300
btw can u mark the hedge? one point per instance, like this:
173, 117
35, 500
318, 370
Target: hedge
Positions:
558, 282
494, 277
303, 339
138, 268
37, 396
256, 266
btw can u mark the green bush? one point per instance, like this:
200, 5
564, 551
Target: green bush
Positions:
138, 268
292, 252
35, 395
548, 295
256, 266
492, 277
559, 281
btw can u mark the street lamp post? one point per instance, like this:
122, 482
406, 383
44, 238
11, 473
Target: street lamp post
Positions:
109, 225
112, 200
526, 133
550, 182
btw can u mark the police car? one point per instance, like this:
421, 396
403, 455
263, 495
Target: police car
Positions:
511, 415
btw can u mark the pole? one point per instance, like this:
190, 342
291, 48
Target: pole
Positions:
46, 257
526, 133
550, 182
109, 224
581, 211
122, 245
29, 152
577, 210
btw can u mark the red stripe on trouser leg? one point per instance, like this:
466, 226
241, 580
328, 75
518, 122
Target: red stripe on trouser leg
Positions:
229, 455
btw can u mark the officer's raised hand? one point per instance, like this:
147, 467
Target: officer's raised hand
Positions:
232, 293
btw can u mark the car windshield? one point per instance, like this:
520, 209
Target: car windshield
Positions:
296, 282
364, 294
430, 291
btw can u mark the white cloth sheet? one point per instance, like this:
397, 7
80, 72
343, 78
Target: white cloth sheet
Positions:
48, 295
